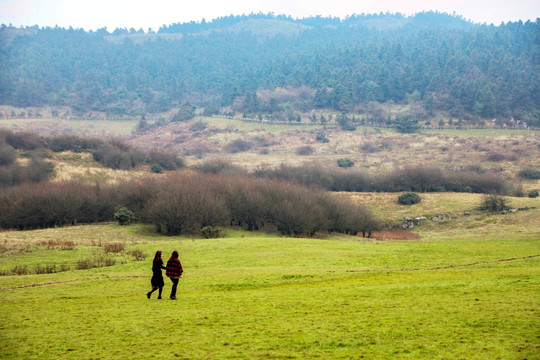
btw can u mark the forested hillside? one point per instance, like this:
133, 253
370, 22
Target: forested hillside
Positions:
442, 62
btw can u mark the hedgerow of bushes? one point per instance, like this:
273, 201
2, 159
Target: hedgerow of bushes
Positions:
413, 179
112, 153
13, 173
186, 203
44, 205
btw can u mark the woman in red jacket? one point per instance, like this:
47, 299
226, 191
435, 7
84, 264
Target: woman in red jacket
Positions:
174, 272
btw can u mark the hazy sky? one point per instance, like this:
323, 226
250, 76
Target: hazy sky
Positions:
94, 14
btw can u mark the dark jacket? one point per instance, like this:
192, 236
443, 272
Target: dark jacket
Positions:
174, 268
157, 277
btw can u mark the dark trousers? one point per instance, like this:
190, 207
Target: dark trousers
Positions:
174, 286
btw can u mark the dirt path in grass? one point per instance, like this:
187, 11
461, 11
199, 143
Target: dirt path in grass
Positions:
366, 270
74, 280
452, 266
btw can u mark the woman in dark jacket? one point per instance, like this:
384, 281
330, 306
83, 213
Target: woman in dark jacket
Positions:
157, 277
174, 272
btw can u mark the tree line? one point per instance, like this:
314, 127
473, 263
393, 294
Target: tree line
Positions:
185, 203
440, 61
409, 178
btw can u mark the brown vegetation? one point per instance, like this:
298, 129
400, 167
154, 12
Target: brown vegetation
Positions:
186, 202
114, 247
419, 179
63, 244
395, 235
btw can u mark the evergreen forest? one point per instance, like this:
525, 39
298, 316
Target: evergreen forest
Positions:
264, 63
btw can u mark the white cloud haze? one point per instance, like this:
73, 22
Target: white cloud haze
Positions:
94, 14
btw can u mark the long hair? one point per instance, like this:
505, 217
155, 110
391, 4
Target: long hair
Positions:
158, 256
174, 255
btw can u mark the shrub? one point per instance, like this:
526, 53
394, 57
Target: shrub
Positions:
186, 112
124, 216
71, 142
370, 148
47, 269
198, 149
8, 155
116, 247
478, 183
37, 206
322, 138
63, 244
216, 166
407, 123
237, 146
297, 211
307, 175
350, 218
37, 170
348, 127
345, 163
246, 202
97, 261
494, 203
118, 155
166, 160
496, 157
134, 195
212, 232
186, 205
409, 198
83, 264
65, 267
529, 173
421, 178
22, 140
67, 245
198, 126
305, 150
157, 169
137, 254
533, 193
20, 270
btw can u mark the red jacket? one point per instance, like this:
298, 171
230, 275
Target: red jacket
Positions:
174, 268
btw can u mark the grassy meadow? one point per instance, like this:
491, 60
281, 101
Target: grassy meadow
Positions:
463, 287
456, 292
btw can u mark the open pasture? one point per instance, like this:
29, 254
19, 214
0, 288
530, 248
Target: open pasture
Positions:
503, 151
454, 293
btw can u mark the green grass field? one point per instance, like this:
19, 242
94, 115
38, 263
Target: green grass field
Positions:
455, 293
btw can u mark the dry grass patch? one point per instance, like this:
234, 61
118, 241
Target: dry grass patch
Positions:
67, 171
51, 126
63, 244
395, 235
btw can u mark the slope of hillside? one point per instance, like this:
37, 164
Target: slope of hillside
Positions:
442, 63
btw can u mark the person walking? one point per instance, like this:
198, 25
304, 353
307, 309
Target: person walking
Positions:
174, 272
157, 278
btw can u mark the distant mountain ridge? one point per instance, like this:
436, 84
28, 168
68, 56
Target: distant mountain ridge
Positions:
440, 62
283, 24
